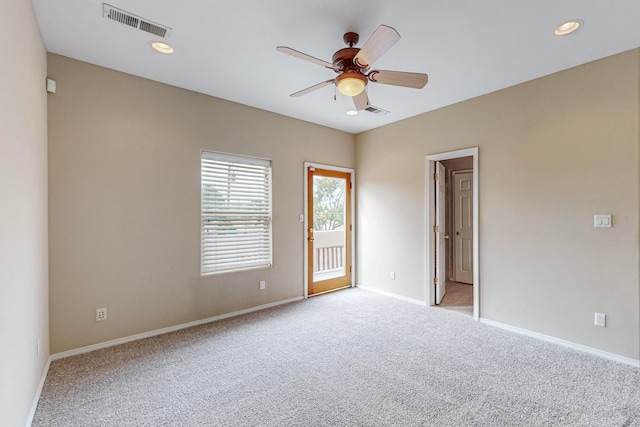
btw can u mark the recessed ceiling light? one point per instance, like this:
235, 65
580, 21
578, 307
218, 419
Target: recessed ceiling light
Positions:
568, 27
162, 47
352, 113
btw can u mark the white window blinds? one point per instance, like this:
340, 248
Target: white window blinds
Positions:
236, 212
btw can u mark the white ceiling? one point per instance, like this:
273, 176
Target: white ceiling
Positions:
227, 48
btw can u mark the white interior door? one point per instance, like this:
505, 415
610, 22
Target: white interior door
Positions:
463, 226
441, 257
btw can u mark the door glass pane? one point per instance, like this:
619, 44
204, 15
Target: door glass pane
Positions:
329, 244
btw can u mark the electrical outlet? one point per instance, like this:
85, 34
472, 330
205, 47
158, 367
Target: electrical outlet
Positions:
600, 320
263, 285
392, 276
101, 314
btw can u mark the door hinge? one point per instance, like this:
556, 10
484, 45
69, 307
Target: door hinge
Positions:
350, 227
435, 281
436, 176
350, 269
436, 229
350, 184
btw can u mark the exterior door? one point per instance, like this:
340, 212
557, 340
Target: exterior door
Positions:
463, 226
329, 230
441, 256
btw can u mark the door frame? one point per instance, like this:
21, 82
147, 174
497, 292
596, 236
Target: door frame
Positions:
430, 222
439, 241
352, 234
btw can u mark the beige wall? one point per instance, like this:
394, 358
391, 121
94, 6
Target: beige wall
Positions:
23, 212
553, 152
124, 201
124, 177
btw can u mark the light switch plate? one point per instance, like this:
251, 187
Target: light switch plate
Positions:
602, 220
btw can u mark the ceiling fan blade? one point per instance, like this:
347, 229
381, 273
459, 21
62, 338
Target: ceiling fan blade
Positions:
399, 78
380, 41
304, 56
311, 88
361, 101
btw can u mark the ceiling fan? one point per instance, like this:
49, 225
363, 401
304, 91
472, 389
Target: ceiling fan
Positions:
352, 66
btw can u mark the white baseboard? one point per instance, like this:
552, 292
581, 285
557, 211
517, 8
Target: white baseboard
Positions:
579, 347
153, 333
36, 398
392, 295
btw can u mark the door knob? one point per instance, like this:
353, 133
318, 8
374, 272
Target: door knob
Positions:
457, 233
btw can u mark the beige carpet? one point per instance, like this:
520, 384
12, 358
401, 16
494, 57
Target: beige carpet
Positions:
351, 358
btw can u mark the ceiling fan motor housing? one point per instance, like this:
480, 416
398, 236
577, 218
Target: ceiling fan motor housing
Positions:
343, 59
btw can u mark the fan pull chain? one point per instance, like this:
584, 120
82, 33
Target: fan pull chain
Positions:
335, 98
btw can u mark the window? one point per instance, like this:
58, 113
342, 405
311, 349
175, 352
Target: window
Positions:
236, 212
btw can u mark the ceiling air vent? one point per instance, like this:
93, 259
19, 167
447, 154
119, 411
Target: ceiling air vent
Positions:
376, 110
131, 20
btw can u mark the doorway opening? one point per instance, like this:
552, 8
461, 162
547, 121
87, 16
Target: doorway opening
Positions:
452, 219
328, 229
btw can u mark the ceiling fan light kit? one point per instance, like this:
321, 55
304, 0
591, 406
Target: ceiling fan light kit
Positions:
352, 65
350, 83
